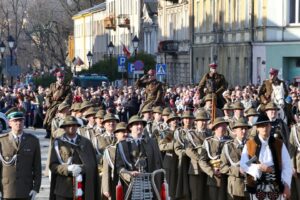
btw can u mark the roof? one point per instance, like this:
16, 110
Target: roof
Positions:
96, 8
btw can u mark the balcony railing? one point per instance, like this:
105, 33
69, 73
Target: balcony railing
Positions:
110, 23
124, 21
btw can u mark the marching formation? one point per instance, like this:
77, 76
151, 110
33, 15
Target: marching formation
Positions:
218, 150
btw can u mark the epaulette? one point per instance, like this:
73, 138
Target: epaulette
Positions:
210, 137
3, 135
229, 141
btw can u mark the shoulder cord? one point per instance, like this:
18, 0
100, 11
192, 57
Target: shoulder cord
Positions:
190, 138
208, 151
177, 137
110, 163
69, 161
88, 134
234, 164
10, 162
121, 150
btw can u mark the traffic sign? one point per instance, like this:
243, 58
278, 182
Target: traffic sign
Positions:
138, 65
161, 69
121, 69
121, 60
130, 67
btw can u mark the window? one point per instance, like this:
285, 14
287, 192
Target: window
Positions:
294, 11
197, 17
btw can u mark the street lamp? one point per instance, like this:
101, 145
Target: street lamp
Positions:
89, 57
135, 42
2, 49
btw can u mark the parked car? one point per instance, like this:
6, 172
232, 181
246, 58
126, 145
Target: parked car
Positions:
3, 122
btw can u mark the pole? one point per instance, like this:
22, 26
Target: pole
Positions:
12, 81
11, 58
89, 65
2, 77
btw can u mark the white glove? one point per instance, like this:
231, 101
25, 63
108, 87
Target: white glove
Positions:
0, 195
75, 169
32, 194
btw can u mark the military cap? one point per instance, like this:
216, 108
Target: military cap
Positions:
227, 106
121, 126
217, 121
188, 114
241, 122
208, 97
273, 71
85, 105
90, 111
213, 65
60, 74
251, 112
172, 116
77, 107
15, 115
201, 115
271, 106
262, 119
63, 106
238, 106
69, 121
100, 114
157, 109
166, 111
72, 107
146, 108
108, 117
135, 118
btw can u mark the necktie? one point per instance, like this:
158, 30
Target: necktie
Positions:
17, 141
72, 141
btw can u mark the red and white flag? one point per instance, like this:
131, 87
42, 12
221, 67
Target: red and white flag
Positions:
126, 51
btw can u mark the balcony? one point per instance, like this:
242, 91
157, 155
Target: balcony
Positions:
124, 21
110, 23
168, 46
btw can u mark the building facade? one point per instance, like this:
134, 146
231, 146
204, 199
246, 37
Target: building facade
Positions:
174, 39
246, 38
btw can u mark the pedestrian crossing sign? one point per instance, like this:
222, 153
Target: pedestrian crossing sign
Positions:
161, 69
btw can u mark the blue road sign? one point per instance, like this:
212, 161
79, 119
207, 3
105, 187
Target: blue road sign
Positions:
130, 67
121, 60
161, 69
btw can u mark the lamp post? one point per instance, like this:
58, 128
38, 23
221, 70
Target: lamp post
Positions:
135, 42
11, 44
2, 49
89, 57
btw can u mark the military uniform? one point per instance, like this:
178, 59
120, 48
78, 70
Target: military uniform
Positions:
197, 178
21, 165
170, 161
214, 84
230, 165
266, 90
210, 161
295, 156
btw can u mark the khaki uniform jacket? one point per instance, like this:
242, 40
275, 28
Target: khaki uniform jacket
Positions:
230, 165
170, 161
55, 130
19, 179
266, 90
194, 148
211, 151
105, 140
154, 91
295, 147
108, 182
83, 154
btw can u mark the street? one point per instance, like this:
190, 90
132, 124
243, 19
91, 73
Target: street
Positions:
45, 187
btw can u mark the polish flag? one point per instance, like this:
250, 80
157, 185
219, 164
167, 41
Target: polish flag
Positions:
126, 51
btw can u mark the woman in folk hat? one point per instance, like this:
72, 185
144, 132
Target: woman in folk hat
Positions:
170, 161
266, 162
210, 159
230, 158
109, 181
73, 155
137, 148
197, 178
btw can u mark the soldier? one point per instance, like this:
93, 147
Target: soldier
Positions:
295, 156
267, 163
227, 110
197, 178
108, 180
99, 129
78, 114
266, 89
58, 93
88, 131
20, 161
165, 114
238, 112
147, 116
214, 83
157, 123
251, 114
170, 161
279, 128
154, 90
210, 160
208, 107
180, 136
108, 137
137, 148
72, 157
230, 161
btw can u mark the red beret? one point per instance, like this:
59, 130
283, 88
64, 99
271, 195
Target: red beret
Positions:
273, 71
213, 65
